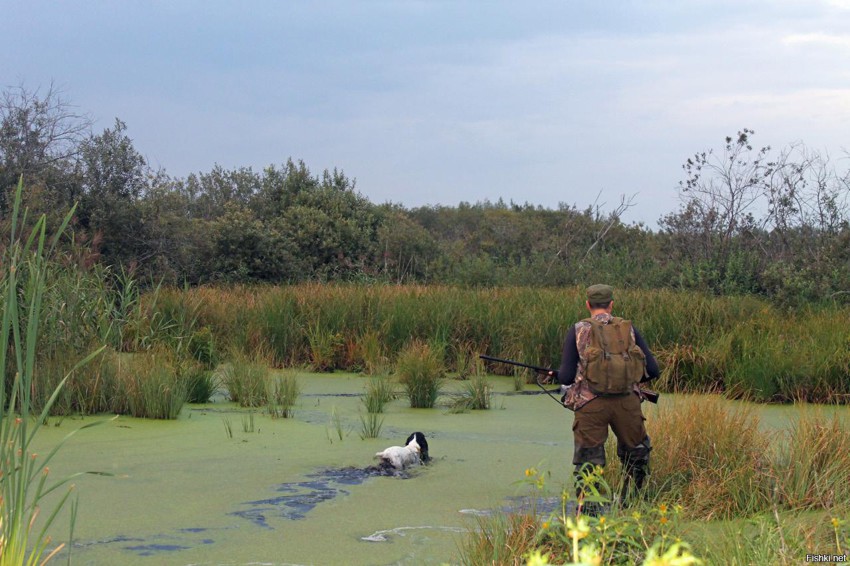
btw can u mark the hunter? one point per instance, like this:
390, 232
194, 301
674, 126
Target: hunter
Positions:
604, 360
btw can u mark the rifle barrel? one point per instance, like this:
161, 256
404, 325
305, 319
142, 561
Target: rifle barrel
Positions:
520, 364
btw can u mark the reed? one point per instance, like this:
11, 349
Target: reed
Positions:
24, 476
420, 371
335, 424
503, 539
201, 385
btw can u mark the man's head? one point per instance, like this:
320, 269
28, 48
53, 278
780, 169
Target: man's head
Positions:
600, 298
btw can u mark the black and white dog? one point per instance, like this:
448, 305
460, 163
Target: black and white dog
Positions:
415, 451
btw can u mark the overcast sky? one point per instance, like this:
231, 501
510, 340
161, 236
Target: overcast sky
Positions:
437, 102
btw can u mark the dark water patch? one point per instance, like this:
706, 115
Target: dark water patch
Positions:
160, 544
256, 516
332, 395
151, 549
302, 497
111, 540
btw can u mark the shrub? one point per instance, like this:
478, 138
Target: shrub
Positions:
420, 371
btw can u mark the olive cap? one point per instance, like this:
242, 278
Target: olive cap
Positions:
598, 294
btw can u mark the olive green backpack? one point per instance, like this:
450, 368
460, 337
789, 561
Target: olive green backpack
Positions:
614, 362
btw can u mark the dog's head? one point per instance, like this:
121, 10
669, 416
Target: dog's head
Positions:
419, 438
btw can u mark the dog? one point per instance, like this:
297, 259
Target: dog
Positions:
423, 445
415, 451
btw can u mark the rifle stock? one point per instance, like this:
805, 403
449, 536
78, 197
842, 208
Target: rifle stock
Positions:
648, 394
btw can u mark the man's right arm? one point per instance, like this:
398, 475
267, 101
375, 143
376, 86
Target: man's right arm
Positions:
652, 369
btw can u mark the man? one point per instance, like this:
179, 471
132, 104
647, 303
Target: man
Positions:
603, 361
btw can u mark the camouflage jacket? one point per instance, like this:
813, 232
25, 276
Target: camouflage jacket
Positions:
579, 394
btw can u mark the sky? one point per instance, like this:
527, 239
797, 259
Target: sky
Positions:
438, 102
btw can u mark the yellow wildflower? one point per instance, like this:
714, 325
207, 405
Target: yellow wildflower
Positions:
537, 558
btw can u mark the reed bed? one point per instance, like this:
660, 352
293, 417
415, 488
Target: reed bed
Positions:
741, 345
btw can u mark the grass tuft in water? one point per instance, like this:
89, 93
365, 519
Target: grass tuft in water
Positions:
371, 425
153, 386
248, 424
420, 370
475, 394
379, 391
245, 379
282, 392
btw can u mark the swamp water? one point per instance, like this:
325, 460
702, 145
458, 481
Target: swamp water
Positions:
291, 491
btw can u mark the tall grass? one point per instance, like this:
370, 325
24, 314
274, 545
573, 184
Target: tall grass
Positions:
780, 496
812, 462
742, 345
712, 457
24, 476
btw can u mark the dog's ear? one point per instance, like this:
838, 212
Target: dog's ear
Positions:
423, 446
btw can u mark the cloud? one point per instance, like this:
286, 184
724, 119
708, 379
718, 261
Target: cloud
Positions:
841, 41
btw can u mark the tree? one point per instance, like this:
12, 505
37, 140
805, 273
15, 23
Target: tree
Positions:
40, 136
717, 218
113, 178
211, 192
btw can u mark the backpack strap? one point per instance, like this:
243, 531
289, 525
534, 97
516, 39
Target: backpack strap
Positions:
596, 328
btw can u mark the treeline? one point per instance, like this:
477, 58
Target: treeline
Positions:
750, 220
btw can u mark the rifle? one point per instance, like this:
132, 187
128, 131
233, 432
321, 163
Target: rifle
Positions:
649, 395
